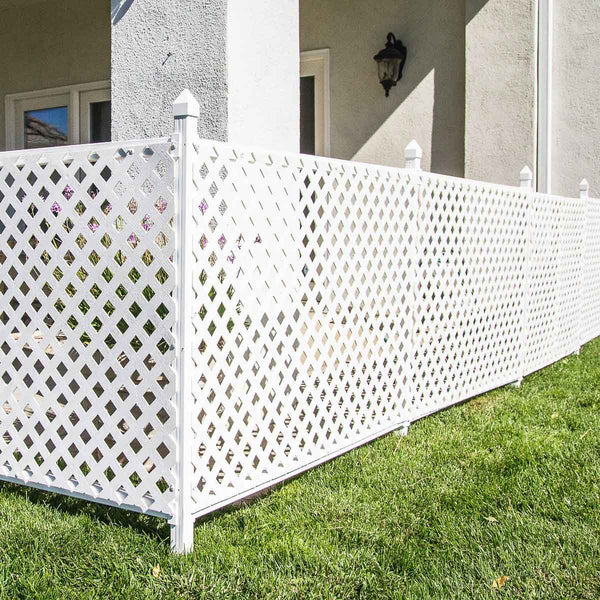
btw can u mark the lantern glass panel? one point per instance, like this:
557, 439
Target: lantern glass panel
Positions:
388, 69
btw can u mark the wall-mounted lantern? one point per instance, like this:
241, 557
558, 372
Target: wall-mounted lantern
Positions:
390, 62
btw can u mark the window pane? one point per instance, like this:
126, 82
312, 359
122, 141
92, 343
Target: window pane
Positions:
47, 127
100, 121
307, 115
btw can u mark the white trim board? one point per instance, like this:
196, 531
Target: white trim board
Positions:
315, 63
74, 96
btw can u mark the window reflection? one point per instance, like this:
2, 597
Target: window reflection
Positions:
46, 127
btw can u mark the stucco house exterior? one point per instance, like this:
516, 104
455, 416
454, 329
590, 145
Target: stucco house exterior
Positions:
488, 85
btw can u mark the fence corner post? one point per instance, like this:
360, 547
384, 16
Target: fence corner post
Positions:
526, 184
186, 111
584, 193
413, 155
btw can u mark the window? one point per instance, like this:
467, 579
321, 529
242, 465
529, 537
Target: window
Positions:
314, 102
77, 114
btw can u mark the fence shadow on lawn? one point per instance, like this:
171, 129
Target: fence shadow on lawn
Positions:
101, 513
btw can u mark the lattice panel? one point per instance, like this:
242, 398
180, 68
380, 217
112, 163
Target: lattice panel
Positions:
303, 323
591, 272
86, 349
470, 273
570, 285
544, 268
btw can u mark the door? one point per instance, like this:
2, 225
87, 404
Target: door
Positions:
314, 102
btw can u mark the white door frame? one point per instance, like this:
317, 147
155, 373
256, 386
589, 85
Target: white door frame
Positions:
315, 63
86, 99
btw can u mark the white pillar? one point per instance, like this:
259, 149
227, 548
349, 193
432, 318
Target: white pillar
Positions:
413, 156
584, 189
185, 111
263, 73
240, 58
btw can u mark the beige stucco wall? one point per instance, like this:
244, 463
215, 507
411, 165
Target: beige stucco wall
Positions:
427, 104
501, 75
576, 96
51, 43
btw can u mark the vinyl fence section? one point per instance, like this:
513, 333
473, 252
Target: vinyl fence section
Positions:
87, 313
185, 323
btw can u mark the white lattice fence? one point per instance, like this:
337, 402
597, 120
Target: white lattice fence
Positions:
87, 350
470, 274
570, 283
555, 254
591, 272
184, 323
303, 323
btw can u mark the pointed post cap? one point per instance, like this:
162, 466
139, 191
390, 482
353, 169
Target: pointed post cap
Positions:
186, 105
413, 155
413, 150
584, 188
526, 177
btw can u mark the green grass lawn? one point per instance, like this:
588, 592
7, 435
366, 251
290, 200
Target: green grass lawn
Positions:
506, 485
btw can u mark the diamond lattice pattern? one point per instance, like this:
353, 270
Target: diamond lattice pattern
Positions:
332, 303
303, 325
470, 280
555, 237
591, 272
86, 282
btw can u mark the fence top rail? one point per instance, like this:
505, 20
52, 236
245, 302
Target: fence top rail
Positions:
59, 151
272, 157
307, 161
291, 159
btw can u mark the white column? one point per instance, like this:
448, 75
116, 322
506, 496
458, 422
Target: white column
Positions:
185, 112
263, 73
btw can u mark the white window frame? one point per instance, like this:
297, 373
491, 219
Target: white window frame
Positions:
77, 98
315, 63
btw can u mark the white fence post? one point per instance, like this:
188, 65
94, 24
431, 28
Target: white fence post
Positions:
584, 189
412, 156
185, 111
526, 183
526, 178
584, 192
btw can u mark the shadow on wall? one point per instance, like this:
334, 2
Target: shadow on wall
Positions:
429, 101
118, 9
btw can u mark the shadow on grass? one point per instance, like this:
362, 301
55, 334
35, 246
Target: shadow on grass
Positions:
101, 513
153, 527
